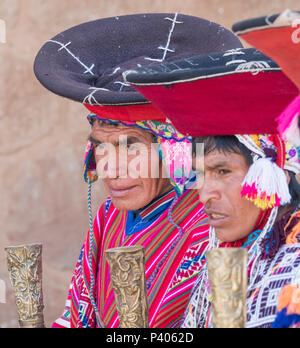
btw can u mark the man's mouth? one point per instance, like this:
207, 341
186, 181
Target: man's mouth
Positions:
121, 192
216, 219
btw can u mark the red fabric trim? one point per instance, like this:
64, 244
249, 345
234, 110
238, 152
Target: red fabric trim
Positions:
241, 103
281, 45
280, 145
131, 113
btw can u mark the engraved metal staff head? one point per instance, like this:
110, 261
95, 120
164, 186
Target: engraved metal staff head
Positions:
25, 271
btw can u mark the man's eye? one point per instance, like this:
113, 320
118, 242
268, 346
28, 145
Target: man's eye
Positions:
133, 146
224, 171
100, 148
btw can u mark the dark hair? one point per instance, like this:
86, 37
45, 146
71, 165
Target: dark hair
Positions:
225, 144
230, 144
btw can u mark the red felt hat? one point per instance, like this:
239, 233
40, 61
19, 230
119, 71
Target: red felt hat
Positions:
278, 36
240, 91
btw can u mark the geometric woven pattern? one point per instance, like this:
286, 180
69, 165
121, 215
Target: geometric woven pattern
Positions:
170, 288
273, 275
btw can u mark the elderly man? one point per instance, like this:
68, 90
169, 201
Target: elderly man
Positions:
86, 63
229, 103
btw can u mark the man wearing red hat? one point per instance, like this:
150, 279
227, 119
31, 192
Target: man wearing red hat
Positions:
250, 192
244, 211
85, 64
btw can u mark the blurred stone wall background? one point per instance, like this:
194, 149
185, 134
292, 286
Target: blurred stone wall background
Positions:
42, 136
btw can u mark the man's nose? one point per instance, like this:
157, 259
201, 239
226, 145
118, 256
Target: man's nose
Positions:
209, 191
122, 163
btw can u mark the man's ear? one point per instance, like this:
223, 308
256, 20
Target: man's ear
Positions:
288, 178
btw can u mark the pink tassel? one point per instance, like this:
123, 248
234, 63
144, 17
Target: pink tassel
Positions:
288, 122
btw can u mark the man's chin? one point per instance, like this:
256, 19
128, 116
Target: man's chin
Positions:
227, 235
124, 204
224, 236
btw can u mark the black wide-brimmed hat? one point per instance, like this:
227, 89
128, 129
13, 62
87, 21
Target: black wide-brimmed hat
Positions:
86, 63
240, 91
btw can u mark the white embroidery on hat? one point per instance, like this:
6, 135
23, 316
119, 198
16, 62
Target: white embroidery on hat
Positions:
237, 61
90, 99
116, 70
233, 52
123, 84
214, 59
166, 48
255, 67
190, 61
65, 47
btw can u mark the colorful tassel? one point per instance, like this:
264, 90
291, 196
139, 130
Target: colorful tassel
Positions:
288, 307
89, 169
266, 185
288, 122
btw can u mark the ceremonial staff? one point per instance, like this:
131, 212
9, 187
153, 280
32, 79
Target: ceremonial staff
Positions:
227, 273
127, 274
25, 271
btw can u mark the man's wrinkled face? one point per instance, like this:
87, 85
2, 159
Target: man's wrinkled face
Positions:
124, 154
232, 216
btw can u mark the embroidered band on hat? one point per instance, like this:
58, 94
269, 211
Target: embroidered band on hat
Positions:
241, 91
86, 63
278, 36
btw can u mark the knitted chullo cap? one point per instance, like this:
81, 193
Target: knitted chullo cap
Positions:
278, 36
237, 92
85, 63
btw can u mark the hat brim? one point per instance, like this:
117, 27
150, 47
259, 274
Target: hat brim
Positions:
217, 101
279, 42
